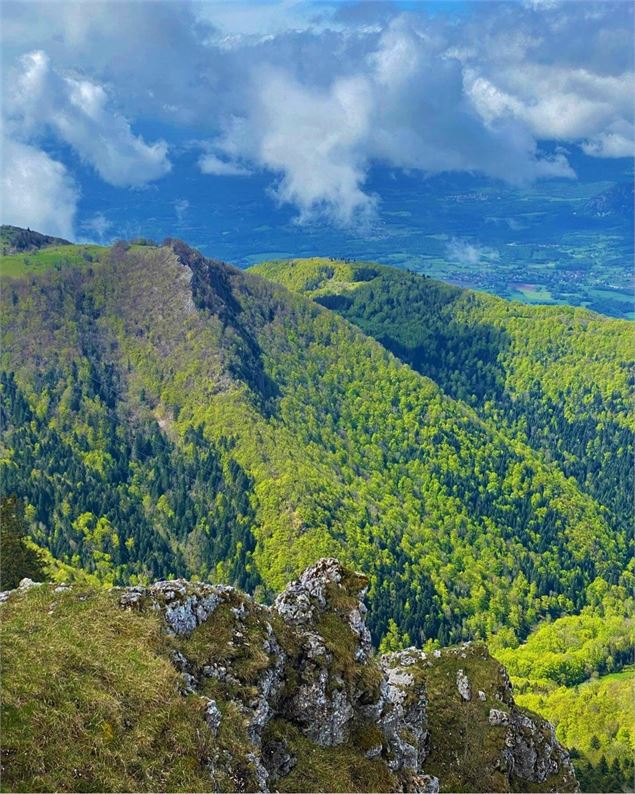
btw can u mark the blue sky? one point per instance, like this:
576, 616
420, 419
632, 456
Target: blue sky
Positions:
301, 100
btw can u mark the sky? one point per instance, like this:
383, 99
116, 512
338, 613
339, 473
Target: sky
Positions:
299, 102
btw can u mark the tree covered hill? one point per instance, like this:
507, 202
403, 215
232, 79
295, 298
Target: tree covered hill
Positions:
165, 414
14, 239
558, 378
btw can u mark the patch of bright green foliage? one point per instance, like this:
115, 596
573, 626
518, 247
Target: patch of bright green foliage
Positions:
56, 257
565, 672
596, 720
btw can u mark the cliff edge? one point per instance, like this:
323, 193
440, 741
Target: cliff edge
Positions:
190, 686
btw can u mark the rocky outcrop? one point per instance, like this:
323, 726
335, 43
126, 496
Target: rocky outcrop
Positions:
292, 696
479, 739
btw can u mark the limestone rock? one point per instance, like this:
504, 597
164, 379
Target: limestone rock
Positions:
27, 584
185, 605
498, 717
463, 685
317, 589
403, 720
212, 716
302, 674
534, 754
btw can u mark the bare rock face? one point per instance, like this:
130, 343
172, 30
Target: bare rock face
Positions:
463, 685
294, 698
327, 699
534, 754
184, 604
403, 719
328, 586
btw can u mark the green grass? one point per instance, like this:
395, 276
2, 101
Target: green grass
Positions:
90, 699
343, 768
54, 257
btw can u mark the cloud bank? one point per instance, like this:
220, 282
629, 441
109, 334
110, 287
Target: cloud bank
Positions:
325, 93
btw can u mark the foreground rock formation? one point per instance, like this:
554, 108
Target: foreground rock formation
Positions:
294, 699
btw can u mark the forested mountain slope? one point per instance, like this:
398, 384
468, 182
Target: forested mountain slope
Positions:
166, 414
14, 239
558, 378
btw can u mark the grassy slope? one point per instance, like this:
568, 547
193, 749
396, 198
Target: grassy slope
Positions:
90, 699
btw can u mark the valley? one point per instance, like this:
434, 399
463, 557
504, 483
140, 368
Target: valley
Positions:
166, 415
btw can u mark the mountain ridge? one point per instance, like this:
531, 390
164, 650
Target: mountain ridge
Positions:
165, 415
231, 362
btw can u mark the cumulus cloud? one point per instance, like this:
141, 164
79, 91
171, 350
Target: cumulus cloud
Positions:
316, 140
77, 111
617, 141
557, 104
316, 94
37, 191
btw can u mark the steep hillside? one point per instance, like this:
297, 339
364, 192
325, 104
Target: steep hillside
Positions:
559, 379
165, 414
194, 687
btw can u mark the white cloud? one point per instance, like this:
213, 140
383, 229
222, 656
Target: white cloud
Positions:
37, 191
77, 111
554, 103
467, 253
316, 94
212, 164
97, 227
316, 140
617, 141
